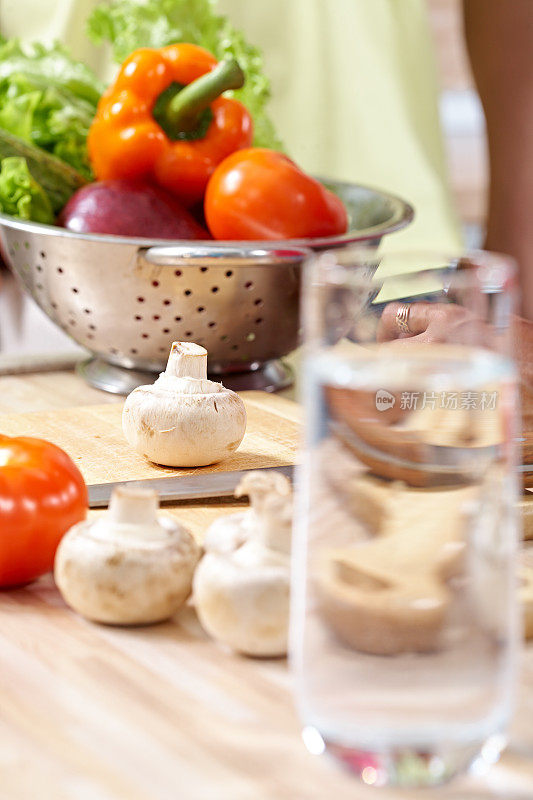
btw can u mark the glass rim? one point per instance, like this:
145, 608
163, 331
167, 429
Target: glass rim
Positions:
488, 270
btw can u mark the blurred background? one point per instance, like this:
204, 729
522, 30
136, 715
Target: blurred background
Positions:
461, 118
25, 331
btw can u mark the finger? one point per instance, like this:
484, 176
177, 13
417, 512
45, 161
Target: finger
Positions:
409, 341
446, 323
418, 320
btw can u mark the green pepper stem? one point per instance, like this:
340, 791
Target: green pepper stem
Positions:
184, 110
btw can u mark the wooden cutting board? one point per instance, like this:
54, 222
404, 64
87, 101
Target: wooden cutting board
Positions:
92, 436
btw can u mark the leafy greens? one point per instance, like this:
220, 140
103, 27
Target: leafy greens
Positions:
20, 194
48, 99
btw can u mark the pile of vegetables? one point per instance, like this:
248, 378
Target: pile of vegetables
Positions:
179, 146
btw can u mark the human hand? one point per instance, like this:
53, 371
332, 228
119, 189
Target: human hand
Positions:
432, 323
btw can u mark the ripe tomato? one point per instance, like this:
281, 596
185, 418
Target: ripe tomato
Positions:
42, 494
261, 194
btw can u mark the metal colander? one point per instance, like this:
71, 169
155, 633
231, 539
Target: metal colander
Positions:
127, 299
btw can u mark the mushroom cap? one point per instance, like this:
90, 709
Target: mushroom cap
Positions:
244, 605
184, 422
125, 579
229, 532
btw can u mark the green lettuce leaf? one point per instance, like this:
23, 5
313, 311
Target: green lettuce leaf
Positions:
20, 194
48, 99
51, 64
129, 24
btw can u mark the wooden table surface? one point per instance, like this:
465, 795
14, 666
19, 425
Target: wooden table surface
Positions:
161, 713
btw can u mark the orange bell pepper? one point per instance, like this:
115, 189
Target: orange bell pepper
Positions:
262, 194
163, 119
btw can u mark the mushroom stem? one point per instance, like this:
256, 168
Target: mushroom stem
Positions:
274, 535
187, 360
271, 506
133, 506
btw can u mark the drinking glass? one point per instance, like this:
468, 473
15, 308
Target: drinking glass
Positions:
404, 620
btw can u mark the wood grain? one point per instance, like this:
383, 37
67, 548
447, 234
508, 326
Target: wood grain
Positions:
92, 436
48, 390
89, 712
161, 713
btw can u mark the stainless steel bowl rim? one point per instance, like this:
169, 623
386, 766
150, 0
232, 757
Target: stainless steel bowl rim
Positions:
125, 298
402, 215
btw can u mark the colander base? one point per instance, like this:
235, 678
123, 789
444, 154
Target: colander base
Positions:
272, 376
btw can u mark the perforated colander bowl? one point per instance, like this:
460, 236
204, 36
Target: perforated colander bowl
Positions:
127, 299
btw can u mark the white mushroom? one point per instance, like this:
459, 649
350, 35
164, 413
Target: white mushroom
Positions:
183, 419
241, 586
129, 567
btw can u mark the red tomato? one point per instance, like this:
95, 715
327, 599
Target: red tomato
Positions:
261, 194
42, 494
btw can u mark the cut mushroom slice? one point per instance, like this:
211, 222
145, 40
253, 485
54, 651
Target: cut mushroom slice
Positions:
378, 610
391, 593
